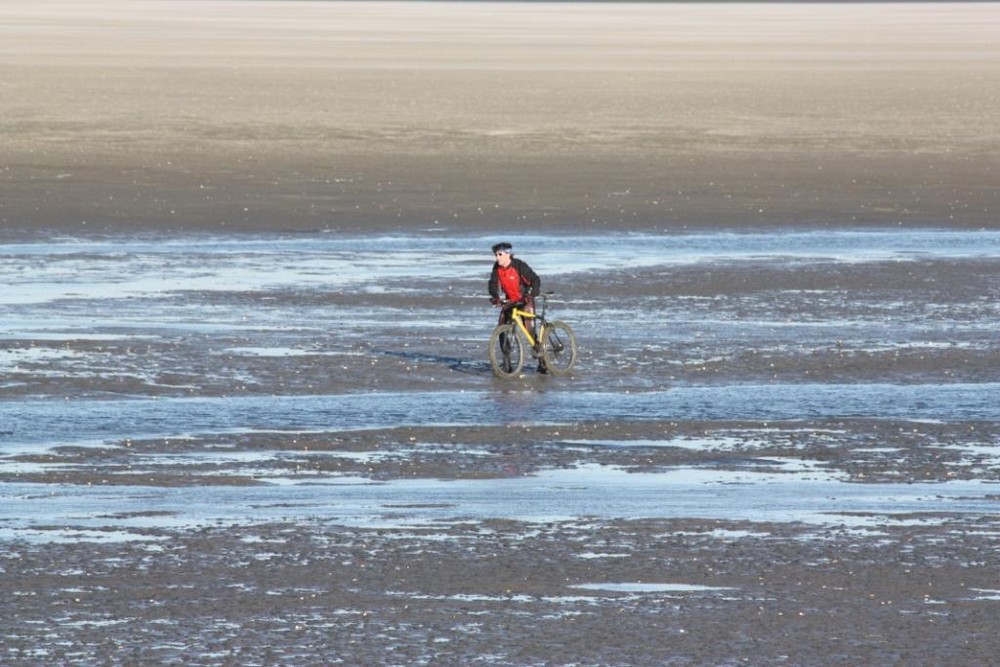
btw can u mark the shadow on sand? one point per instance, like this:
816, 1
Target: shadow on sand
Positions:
469, 366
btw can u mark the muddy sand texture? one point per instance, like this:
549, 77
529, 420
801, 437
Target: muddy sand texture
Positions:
918, 589
233, 116
297, 116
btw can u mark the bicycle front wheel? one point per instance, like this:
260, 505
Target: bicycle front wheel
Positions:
558, 348
506, 351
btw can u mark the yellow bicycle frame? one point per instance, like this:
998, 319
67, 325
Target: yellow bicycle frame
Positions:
518, 316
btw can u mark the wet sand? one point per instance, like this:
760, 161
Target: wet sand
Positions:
329, 115
374, 543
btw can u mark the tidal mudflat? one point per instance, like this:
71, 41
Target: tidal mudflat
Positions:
245, 411
261, 449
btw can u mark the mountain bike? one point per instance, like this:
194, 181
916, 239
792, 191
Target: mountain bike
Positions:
511, 343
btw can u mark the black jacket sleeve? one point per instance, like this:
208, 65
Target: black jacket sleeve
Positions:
528, 277
494, 282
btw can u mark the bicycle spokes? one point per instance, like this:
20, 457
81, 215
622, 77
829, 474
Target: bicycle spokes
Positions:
505, 347
506, 351
558, 348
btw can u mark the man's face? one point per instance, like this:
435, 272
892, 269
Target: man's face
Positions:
503, 258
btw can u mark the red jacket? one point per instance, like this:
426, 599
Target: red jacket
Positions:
525, 281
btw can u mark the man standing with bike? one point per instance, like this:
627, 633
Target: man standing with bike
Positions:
514, 278
518, 283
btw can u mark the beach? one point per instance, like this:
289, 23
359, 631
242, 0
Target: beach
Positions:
329, 115
246, 414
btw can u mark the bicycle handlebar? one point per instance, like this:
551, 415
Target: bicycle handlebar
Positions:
507, 302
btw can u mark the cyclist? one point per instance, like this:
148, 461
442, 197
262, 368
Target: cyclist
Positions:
518, 283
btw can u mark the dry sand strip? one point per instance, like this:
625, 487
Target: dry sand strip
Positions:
344, 115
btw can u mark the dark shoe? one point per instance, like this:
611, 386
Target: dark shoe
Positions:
542, 368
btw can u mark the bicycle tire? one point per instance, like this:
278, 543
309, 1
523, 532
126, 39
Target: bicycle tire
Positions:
506, 351
558, 348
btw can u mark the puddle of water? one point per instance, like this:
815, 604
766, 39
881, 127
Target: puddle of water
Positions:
73, 536
644, 587
692, 444
554, 495
340, 259
37, 421
74, 268
281, 352
983, 595
590, 555
479, 597
986, 594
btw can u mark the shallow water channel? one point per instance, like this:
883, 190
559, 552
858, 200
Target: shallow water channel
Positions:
108, 340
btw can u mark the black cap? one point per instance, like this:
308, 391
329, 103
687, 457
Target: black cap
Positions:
503, 245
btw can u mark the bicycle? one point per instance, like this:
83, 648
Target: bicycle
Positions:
511, 343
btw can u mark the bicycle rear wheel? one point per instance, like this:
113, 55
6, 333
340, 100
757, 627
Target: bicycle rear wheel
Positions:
558, 348
506, 351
